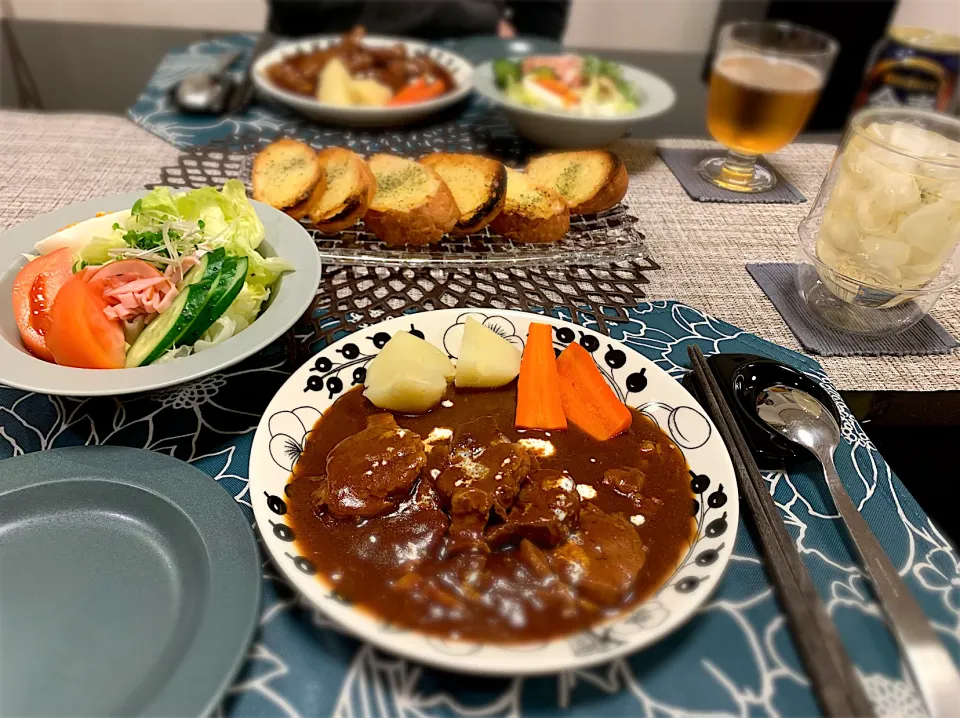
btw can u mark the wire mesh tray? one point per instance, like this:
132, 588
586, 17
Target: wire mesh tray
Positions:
593, 239
610, 236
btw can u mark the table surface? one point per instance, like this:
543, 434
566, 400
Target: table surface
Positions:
52, 160
58, 159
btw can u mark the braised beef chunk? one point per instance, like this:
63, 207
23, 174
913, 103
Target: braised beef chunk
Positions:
546, 511
369, 473
438, 461
484, 474
479, 538
535, 561
602, 559
626, 480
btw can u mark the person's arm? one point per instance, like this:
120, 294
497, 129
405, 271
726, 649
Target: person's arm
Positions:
429, 19
546, 18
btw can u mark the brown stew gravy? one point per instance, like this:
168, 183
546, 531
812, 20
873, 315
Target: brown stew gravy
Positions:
530, 585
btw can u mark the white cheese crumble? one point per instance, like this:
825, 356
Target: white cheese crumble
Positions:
540, 447
638, 520
586, 492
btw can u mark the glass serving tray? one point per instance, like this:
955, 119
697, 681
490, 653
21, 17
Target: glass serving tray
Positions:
610, 236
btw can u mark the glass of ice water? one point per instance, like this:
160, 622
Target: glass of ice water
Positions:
877, 249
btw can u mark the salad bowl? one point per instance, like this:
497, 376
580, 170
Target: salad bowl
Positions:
561, 129
289, 298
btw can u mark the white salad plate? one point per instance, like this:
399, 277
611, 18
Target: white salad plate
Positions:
567, 130
459, 67
291, 297
640, 383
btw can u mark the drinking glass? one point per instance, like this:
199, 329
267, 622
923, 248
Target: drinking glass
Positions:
765, 82
877, 249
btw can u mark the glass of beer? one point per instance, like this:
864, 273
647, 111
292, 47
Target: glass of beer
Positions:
765, 82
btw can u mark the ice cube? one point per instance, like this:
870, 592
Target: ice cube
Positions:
934, 227
916, 140
873, 214
839, 228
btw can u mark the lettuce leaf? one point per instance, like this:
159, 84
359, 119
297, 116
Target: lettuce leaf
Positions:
220, 218
96, 251
239, 315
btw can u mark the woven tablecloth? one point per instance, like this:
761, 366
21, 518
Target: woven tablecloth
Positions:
53, 160
736, 657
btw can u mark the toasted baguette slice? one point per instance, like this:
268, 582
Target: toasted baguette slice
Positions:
284, 173
412, 204
532, 212
478, 185
299, 210
347, 190
590, 181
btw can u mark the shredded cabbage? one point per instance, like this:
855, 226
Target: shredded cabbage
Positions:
239, 315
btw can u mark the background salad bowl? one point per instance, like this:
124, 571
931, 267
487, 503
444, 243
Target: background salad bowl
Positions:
560, 129
638, 382
290, 298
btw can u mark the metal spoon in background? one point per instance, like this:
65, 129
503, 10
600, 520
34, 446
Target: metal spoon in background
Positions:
804, 420
206, 92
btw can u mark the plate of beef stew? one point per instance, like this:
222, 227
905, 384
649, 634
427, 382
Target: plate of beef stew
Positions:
494, 492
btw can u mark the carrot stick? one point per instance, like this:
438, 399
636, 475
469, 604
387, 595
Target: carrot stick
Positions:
587, 399
417, 90
538, 390
558, 88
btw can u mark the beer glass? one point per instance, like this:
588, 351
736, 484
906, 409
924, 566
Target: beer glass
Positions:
765, 82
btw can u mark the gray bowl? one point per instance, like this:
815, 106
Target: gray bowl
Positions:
292, 296
562, 130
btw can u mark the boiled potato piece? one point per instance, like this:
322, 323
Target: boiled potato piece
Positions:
409, 375
487, 360
369, 93
334, 85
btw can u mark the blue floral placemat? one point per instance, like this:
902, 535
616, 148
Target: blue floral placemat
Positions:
470, 126
736, 657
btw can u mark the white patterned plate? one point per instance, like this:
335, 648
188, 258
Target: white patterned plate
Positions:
460, 69
639, 382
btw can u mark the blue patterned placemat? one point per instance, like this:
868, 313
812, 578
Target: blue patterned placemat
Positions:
470, 126
736, 657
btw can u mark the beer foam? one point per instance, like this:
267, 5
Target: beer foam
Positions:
763, 72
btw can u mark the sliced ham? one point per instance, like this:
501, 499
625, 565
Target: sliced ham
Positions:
175, 272
134, 289
134, 286
568, 68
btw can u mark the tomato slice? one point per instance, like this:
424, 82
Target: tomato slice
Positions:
117, 273
80, 334
34, 290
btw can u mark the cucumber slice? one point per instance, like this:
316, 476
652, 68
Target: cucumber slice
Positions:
224, 291
169, 328
165, 331
208, 267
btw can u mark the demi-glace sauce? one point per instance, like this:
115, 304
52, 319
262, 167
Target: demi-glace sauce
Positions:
496, 598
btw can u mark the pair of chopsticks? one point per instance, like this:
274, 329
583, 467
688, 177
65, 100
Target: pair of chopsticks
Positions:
835, 681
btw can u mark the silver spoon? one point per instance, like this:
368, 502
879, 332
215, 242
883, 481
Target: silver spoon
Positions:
804, 420
207, 91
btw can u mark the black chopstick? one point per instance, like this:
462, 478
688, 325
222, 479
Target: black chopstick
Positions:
834, 678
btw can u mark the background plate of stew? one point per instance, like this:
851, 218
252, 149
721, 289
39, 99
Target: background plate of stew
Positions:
459, 69
505, 614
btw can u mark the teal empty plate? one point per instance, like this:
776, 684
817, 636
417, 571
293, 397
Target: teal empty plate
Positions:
129, 585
